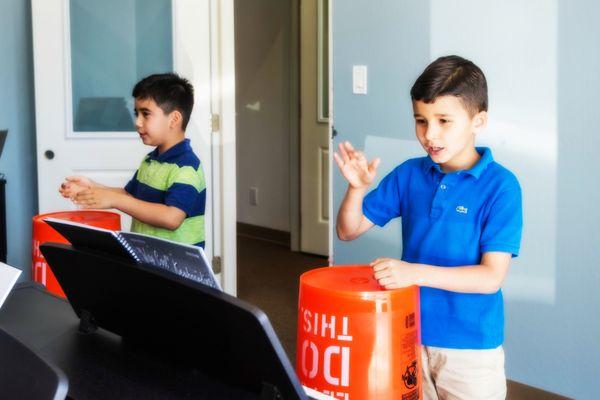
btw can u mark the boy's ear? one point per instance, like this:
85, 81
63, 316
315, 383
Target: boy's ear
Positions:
479, 122
175, 119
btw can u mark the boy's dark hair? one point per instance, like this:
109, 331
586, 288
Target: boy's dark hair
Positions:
454, 76
169, 91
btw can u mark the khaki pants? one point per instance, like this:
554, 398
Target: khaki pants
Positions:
452, 374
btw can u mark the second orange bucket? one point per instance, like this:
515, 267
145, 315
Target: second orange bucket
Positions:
42, 233
356, 340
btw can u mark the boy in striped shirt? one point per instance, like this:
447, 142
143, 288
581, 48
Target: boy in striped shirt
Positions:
167, 195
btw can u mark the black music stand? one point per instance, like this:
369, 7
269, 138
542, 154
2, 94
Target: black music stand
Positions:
177, 320
25, 375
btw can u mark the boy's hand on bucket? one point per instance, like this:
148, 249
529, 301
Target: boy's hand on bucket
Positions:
354, 166
394, 274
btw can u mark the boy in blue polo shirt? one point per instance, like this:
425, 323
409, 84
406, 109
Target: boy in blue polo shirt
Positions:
461, 224
167, 195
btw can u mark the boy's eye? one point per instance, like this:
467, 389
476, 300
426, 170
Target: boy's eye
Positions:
420, 122
444, 121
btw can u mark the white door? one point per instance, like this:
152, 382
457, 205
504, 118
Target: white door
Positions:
315, 157
88, 55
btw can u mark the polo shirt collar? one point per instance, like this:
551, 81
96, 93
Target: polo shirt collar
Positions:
174, 152
482, 164
475, 171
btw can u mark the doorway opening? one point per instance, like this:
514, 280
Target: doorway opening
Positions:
283, 193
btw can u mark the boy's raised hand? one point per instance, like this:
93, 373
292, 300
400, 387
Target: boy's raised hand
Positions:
73, 185
354, 166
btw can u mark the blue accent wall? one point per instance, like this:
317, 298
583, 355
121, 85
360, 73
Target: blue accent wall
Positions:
17, 113
389, 38
542, 60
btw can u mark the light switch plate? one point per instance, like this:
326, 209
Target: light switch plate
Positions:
253, 196
359, 79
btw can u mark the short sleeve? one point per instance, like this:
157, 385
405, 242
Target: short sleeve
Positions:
384, 202
130, 187
187, 191
503, 228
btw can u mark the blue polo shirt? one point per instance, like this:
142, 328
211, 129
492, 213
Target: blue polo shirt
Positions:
451, 219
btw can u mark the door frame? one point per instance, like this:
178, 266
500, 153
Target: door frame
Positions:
332, 217
296, 112
224, 140
294, 56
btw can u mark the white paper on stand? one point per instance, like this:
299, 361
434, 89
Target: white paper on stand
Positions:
8, 278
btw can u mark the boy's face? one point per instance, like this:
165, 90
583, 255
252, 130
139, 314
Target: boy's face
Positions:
151, 123
446, 130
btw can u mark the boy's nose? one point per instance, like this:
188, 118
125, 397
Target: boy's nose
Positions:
431, 133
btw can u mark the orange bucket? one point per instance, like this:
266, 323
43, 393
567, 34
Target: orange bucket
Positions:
356, 340
42, 233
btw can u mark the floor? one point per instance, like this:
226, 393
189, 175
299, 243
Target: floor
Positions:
275, 270
268, 276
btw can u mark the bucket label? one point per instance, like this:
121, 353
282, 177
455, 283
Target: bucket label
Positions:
410, 376
39, 264
331, 363
39, 274
414, 395
36, 249
337, 353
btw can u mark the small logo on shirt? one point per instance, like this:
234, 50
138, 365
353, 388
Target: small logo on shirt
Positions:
462, 209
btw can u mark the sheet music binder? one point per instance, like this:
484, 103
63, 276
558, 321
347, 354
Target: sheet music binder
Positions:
184, 260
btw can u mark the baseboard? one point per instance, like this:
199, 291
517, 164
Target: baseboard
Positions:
520, 391
282, 238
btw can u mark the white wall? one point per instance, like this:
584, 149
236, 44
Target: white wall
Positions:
262, 44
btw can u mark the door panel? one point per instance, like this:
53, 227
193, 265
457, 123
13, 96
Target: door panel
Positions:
314, 134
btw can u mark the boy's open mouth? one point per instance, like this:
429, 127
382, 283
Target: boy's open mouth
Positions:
435, 150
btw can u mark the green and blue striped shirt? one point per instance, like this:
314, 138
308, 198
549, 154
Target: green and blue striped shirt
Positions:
174, 178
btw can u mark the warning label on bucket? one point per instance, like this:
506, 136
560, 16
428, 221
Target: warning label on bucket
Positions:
409, 347
410, 375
